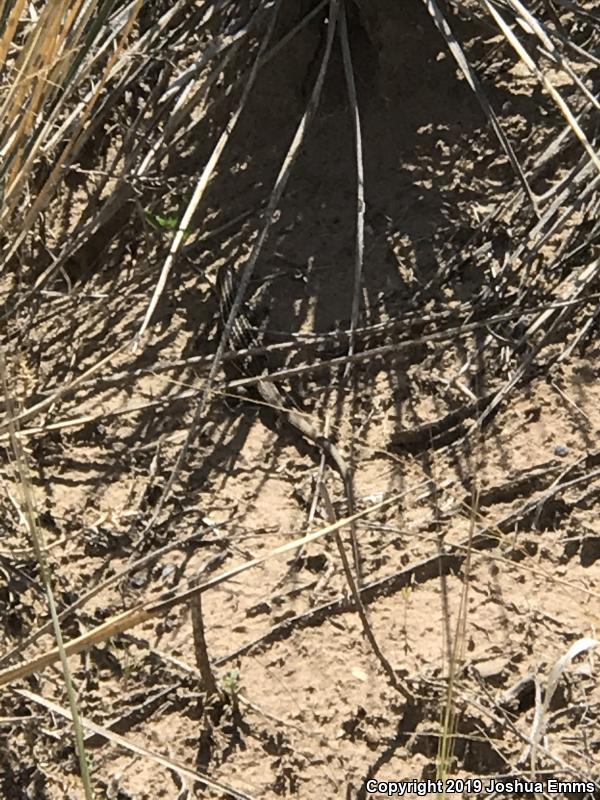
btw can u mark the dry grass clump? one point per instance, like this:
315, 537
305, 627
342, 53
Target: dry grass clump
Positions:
146, 146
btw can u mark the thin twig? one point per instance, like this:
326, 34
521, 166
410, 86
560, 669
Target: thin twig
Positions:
368, 630
360, 181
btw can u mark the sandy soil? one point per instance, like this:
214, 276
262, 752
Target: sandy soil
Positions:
500, 516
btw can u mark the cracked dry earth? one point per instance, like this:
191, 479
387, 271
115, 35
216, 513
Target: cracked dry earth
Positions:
507, 507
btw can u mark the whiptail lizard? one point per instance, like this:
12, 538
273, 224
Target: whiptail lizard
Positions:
244, 335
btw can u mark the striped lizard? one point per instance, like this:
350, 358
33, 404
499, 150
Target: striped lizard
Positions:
244, 335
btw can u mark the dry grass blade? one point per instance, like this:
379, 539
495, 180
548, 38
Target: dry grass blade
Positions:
31, 517
546, 82
360, 182
456, 651
405, 197
136, 564
388, 349
20, 127
580, 284
542, 705
530, 23
30, 413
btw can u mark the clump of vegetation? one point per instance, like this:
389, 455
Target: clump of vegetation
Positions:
402, 200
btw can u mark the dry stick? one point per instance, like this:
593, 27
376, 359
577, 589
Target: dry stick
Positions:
549, 49
65, 74
377, 352
116, 200
209, 683
368, 630
26, 415
144, 44
119, 194
561, 140
307, 368
506, 721
359, 255
427, 569
174, 125
554, 219
84, 419
382, 350
360, 180
582, 281
174, 129
417, 572
202, 405
552, 223
545, 229
73, 75
114, 203
145, 561
10, 26
581, 333
304, 340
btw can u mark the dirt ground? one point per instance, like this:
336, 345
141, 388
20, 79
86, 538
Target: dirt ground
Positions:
478, 430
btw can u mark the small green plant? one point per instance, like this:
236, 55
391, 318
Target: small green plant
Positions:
167, 223
230, 682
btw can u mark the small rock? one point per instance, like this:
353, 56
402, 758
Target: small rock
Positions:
138, 579
561, 450
492, 669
